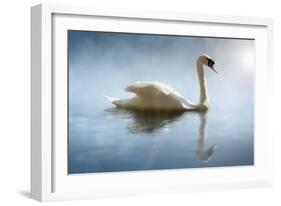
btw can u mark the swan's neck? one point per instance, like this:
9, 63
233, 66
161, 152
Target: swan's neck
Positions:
204, 100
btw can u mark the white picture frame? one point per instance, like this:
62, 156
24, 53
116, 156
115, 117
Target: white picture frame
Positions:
49, 178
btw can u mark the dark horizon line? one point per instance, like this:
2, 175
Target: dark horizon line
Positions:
154, 34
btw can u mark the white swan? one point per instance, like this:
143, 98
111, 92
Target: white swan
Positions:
156, 96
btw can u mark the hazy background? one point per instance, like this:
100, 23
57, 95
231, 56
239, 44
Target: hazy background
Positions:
104, 139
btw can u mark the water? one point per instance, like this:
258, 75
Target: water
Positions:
120, 140
105, 139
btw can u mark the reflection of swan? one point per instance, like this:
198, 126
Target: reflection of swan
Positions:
147, 122
204, 155
158, 96
153, 122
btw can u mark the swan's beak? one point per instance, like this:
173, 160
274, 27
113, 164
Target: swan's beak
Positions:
211, 64
212, 67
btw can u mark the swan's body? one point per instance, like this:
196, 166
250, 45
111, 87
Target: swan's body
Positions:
156, 96
152, 95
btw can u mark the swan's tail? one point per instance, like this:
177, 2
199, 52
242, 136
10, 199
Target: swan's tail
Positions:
111, 99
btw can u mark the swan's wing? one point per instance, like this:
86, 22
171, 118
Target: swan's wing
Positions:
160, 92
147, 89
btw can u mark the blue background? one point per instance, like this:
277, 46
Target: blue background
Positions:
105, 139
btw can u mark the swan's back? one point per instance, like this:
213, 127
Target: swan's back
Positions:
156, 95
151, 89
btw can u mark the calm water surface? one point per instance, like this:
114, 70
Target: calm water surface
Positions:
119, 140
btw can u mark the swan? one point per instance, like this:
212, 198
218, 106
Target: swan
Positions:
156, 96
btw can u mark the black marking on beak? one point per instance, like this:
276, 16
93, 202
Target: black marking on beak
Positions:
211, 63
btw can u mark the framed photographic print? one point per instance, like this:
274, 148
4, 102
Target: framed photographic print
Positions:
134, 102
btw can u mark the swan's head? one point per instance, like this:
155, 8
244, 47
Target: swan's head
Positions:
208, 61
